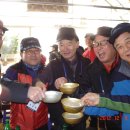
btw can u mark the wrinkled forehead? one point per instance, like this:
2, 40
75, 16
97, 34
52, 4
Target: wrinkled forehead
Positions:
67, 41
122, 38
100, 38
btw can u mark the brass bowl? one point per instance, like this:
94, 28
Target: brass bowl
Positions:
72, 118
52, 96
72, 105
69, 88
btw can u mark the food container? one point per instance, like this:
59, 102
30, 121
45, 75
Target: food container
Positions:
69, 88
72, 105
72, 118
52, 96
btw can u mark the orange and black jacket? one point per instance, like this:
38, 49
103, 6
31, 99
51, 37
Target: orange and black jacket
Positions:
20, 114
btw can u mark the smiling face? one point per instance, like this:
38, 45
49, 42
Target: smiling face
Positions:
31, 56
104, 52
68, 49
122, 45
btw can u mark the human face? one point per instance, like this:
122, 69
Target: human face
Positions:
104, 51
88, 41
68, 49
122, 45
31, 56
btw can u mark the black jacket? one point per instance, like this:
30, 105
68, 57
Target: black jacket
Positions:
11, 91
101, 82
61, 68
54, 55
14, 91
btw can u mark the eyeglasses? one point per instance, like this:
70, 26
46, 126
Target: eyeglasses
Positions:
101, 43
30, 52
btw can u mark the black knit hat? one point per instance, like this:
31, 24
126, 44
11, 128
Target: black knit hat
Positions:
104, 31
67, 33
119, 29
28, 43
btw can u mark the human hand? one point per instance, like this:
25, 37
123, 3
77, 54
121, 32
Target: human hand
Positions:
36, 94
91, 99
41, 85
60, 81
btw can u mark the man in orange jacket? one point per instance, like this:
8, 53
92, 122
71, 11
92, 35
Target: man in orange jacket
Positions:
26, 71
11, 91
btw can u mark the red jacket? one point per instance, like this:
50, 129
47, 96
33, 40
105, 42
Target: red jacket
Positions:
20, 114
90, 54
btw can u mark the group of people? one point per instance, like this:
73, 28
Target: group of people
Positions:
104, 81
117, 100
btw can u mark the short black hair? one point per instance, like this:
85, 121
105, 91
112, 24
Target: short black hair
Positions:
104, 31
